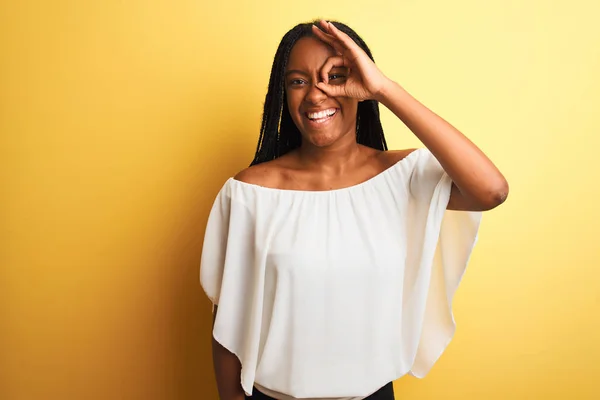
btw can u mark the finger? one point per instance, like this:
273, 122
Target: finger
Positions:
331, 63
344, 39
322, 35
327, 38
331, 90
354, 54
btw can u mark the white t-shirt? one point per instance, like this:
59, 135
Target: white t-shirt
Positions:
333, 294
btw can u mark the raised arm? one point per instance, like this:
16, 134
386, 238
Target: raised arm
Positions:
477, 184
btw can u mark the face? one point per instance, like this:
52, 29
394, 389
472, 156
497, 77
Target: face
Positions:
322, 120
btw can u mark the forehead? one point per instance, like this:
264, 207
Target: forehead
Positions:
309, 53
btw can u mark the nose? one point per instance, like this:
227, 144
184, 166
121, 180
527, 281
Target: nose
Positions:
315, 95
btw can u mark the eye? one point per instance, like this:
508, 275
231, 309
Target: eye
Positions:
336, 77
296, 82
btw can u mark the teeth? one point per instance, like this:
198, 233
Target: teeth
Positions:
322, 114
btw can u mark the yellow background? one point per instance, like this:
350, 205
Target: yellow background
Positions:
120, 120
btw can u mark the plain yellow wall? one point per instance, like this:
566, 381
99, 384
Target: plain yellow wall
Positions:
120, 120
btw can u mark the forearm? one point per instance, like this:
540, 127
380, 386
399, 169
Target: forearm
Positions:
469, 168
227, 369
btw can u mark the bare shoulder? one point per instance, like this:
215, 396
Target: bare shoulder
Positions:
264, 174
391, 157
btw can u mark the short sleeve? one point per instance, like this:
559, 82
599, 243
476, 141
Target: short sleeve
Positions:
215, 247
440, 244
228, 277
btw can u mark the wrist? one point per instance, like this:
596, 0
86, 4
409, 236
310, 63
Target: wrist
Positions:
387, 92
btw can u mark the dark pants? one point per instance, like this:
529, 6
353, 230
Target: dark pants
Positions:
385, 393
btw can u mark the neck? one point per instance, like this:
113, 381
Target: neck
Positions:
332, 159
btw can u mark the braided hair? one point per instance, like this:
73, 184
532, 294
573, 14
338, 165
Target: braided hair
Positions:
278, 132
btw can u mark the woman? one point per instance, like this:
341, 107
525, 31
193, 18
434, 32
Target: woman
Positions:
331, 261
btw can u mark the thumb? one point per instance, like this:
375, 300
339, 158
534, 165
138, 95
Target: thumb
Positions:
331, 90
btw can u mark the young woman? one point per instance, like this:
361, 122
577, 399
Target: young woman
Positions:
331, 261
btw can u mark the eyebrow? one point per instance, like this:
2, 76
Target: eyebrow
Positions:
295, 71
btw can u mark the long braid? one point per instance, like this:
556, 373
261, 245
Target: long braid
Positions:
278, 132
268, 147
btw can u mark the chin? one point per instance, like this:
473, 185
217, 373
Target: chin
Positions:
320, 139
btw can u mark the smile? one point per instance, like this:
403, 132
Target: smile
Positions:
322, 116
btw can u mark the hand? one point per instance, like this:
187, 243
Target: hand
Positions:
364, 80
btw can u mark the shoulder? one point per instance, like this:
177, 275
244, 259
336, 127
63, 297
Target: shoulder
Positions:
263, 174
391, 157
